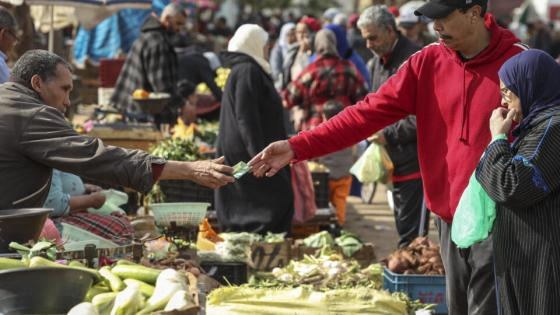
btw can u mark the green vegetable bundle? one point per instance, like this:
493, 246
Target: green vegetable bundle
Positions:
207, 131
323, 273
319, 240
348, 242
177, 150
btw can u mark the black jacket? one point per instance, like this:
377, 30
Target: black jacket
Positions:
524, 182
250, 119
193, 66
401, 136
35, 138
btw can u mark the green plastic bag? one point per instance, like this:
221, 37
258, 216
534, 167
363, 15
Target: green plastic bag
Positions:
373, 166
474, 218
114, 199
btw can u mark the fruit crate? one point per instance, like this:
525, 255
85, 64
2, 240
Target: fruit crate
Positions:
427, 289
321, 186
186, 191
226, 273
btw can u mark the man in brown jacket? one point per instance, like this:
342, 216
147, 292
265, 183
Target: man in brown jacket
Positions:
35, 138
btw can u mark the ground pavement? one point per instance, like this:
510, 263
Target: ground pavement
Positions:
375, 223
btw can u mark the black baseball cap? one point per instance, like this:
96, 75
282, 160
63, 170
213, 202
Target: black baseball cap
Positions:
437, 9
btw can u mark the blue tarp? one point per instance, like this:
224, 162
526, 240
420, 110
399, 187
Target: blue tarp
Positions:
114, 35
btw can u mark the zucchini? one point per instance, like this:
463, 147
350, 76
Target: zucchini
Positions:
115, 283
126, 262
104, 302
146, 289
137, 272
75, 263
94, 291
8, 263
43, 262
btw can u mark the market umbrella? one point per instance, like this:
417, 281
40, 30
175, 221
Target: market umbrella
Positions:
90, 12
96, 4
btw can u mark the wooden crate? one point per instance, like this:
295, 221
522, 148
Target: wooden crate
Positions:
128, 139
267, 256
300, 231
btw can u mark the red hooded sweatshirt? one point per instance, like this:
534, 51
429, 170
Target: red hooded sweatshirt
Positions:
452, 101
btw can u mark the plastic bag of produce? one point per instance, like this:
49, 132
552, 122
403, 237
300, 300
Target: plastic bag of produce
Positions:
474, 217
114, 199
374, 165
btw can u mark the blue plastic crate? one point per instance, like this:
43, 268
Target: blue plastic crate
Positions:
427, 289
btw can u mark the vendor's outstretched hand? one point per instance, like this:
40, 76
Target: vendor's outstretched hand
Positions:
212, 173
272, 159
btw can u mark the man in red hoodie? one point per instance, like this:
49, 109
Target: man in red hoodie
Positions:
452, 87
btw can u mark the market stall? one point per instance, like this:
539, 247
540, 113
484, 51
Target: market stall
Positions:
179, 262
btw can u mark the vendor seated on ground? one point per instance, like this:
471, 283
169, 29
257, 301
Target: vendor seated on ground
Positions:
35, 139
339, 164
70, 199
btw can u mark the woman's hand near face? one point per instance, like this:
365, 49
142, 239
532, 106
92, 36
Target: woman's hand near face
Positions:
501, 121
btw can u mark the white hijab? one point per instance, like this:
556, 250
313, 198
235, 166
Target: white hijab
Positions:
283, 38
250, 39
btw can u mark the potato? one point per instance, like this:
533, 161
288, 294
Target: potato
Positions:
396, 265
423, 269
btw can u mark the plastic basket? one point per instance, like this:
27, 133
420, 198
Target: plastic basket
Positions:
321, 186
186, 191
182, 213
427, 289
76, 238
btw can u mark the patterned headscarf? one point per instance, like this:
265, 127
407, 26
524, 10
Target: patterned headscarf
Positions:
325, 43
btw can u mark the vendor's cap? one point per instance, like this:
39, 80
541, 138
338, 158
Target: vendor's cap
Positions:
437, 9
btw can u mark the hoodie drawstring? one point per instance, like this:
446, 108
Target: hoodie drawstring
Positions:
466, 110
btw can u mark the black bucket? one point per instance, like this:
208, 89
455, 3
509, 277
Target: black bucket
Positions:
44, 290
21, 225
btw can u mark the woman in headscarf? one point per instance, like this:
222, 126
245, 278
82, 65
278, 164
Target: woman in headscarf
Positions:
347, 53
327, 78
250, 119
298, 54
524, 180
286, 39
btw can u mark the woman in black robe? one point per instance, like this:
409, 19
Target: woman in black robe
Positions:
251, 118
524, 180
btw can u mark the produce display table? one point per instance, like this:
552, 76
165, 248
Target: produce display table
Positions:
323, 218
129, 138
